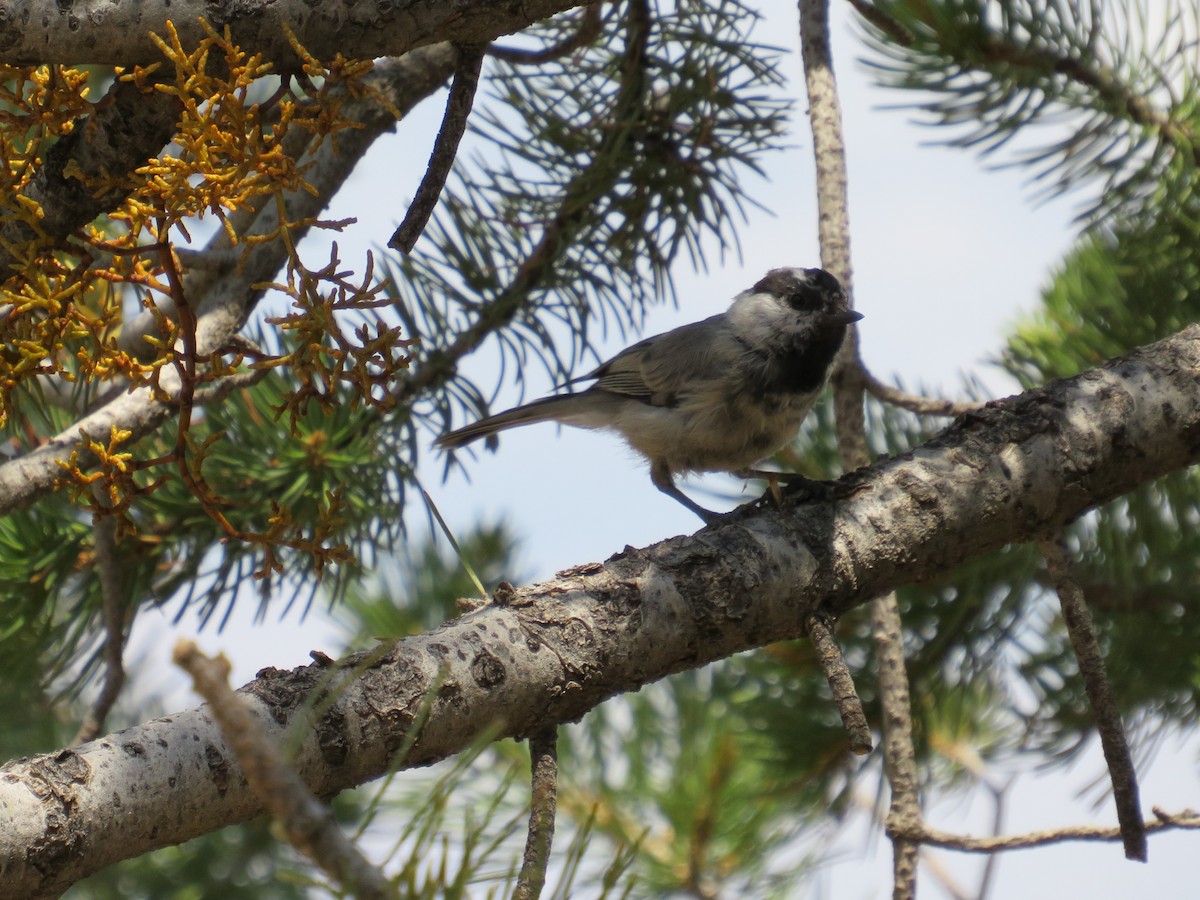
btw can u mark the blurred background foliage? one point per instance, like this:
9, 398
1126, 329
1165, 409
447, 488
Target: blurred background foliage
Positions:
634, 146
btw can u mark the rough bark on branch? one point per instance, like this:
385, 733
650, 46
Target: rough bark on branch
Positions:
116, 32
1015, 471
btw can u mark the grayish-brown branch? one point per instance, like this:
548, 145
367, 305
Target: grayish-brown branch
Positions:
591, 24
833, 227
543, 762
1082, 631
841, 683
936, 838
914, 403
445, 148
113, 597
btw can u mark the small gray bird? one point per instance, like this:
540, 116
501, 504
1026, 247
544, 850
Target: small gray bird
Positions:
714, 396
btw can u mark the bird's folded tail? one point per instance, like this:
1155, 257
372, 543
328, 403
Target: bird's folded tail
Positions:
544, 410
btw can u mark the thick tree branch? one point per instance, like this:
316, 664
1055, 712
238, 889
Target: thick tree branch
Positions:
117, 32
1018, 470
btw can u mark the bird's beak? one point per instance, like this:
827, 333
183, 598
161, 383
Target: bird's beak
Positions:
843, 317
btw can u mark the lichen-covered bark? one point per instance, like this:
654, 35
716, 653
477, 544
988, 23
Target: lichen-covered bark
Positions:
548, 653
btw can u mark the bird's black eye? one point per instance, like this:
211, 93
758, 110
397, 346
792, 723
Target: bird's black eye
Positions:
806, 297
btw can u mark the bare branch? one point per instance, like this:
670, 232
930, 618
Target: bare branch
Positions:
309, 824
936, 838
833, 208
841, 683
440, 363
445, 147
1099, 690
921, 406
543, 761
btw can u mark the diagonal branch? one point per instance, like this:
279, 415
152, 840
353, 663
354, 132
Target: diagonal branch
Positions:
445, 147
1082, 632
1017, 471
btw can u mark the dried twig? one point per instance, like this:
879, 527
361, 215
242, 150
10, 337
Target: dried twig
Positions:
1108, 720
309, 823
543, 760
445, 148
833, 664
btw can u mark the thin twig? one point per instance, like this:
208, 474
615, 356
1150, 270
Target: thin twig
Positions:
309, 823
543, 761
445, 148
841, 683
1099, 690
590, 25
833, 221
1000, 798
922, 406
899, 754
945, 878
113, 597
951, 841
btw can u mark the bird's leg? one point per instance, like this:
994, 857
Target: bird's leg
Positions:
660, 474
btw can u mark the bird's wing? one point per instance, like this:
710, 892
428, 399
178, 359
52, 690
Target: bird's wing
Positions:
657, 369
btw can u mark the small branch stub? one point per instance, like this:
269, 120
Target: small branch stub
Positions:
543, 761
1082, 632
833, 664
